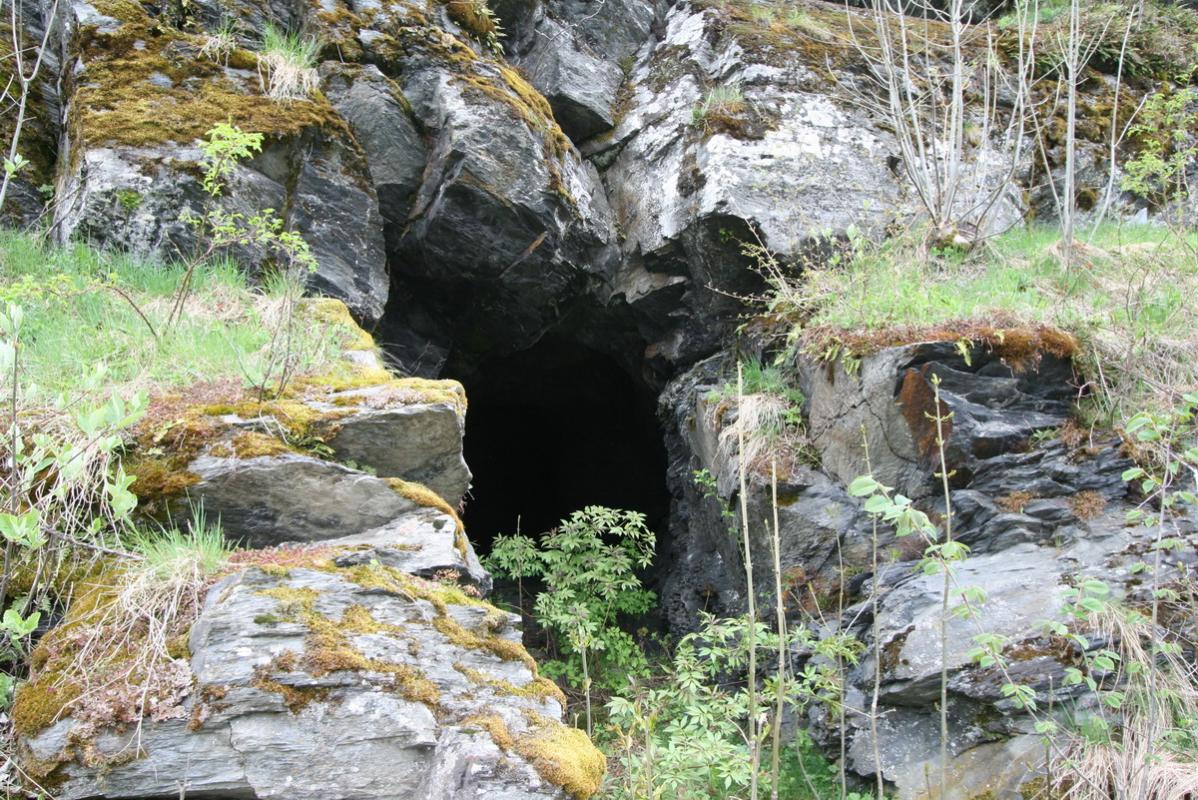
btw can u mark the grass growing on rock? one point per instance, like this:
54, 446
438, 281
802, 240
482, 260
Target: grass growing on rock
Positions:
146, 83
1123, 310
79, 309
120, 653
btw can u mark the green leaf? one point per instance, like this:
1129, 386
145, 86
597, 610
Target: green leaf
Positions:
863, 486
19, 627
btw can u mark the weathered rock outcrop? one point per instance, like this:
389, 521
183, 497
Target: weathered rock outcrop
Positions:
1040, 503
349, 653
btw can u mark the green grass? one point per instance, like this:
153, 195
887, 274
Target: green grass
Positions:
201, 547
1128, 299
80, 335
300, 51
290, 63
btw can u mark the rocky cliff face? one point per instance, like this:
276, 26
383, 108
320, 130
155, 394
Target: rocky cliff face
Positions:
467, 203
348, 653
1040, 502
478, 201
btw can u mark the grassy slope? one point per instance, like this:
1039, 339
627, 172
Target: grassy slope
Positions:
1128, 299
75, 322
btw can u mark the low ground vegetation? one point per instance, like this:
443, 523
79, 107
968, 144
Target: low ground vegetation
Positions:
1125, 301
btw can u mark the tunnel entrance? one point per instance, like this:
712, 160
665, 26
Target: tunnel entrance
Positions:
555, 428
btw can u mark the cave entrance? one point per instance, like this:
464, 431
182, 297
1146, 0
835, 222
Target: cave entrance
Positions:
555, 428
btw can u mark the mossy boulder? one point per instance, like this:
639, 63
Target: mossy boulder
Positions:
322, 681
143, 96
420, 442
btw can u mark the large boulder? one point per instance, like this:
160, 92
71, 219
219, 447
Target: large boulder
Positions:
338, 682
346, 655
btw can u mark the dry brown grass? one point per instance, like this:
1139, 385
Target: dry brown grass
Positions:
1015, 502
1151, 755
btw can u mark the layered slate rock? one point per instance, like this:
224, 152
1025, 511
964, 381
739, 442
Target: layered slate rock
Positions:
793, 158
1039, 501
340, 682
997, 397
348, 653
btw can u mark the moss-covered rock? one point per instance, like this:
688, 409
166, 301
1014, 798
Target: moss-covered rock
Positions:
317, 666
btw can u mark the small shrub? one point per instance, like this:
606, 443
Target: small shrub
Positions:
588, 565
289, 62
682, 733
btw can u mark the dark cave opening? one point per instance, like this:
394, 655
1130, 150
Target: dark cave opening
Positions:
554, 428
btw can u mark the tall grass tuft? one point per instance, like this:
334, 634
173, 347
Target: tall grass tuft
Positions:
288, 61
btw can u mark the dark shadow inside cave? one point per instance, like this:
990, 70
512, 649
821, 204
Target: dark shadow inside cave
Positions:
555, 428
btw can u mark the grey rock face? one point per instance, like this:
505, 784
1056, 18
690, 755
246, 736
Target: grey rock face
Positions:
265, 721
580, 86
375, 109
1038, 514
137, 199
421, 443
800, 160
269, 500
508, 220
389, 429
994, 406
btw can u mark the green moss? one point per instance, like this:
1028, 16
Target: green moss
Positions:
561, 755
472, 16
537, 688
122, 96
390, 579
295, 698
252, 444
495, 645
336, 314
159, 478
51, 689
42, 701
566, 757
421, 495
327, 647
397, 391
494, 725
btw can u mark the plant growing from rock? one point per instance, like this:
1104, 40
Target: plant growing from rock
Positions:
940, 553
219, 44
121, 653
477, 17
287, 64
218, 230
720, 104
